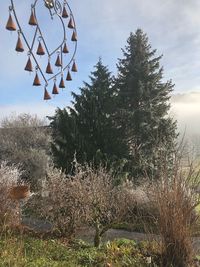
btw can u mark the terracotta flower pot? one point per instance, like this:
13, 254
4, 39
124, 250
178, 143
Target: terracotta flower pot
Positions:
19, 192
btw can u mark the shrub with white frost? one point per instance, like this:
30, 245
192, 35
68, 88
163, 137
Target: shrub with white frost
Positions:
9, 177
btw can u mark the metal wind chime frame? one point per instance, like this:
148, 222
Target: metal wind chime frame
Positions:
64, 12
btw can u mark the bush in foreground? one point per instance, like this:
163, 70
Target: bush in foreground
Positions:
9, 177
88, 198
60, 202
25, 140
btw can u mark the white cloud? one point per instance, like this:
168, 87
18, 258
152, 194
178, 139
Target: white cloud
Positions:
40, 109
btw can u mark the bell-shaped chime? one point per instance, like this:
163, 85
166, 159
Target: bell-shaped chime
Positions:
36, 81
40, 49
69, 77
10, 26
62, 83
55, 89
49, 69
58, 61
74, 67
46, 95
71, 23
29, 66
41, 45
74, 37
32, 20
65, 48
19, 45
64, 12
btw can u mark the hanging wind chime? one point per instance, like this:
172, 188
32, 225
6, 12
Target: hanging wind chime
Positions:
64, 64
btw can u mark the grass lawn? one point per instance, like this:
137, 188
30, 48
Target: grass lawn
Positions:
21, 251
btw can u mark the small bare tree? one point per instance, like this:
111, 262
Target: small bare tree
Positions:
105, 203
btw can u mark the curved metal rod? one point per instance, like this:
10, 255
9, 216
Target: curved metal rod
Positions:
35, 35
75, 49
33, 5
64, 30
60, 46
63, 38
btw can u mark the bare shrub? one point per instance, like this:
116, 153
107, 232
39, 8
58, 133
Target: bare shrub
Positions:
60, 202
9, 177
89, 197
25, 140
175, 199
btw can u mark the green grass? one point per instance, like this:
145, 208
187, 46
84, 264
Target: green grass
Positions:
138, 227
26, 251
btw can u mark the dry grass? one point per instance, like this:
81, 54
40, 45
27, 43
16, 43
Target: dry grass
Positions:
175, 199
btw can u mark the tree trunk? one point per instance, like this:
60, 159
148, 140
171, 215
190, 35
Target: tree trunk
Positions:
97, 238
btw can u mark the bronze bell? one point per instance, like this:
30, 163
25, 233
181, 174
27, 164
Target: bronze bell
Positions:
74, 67
65, 49
10, 24
19, 46
71, 23
49, 68
29, 66
64, 13
55, 89
74, 36
58, 61
32, 20
46, 95
40, 50
69, 77
62, 84
36, 81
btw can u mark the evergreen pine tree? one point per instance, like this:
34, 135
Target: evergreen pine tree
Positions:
88, 128
143, 106
94, 109
66, 139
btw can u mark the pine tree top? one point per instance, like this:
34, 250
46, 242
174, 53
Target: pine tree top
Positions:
140, 77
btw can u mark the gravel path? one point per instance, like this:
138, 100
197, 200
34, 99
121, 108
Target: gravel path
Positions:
37, 225
87, 234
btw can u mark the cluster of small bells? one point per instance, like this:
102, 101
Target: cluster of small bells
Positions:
11, 26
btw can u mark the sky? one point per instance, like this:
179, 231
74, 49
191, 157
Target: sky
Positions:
173, 28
